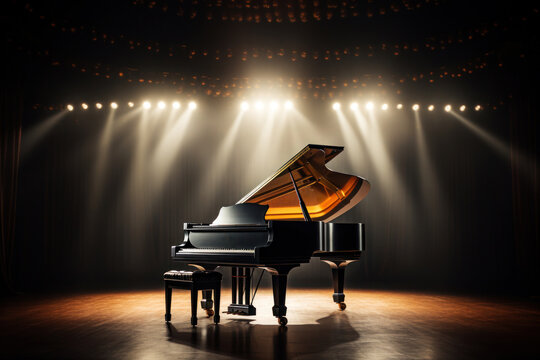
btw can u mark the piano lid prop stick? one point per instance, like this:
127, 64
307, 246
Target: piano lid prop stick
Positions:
302, 205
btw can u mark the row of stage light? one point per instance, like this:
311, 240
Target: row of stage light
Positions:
274, 105
354, 106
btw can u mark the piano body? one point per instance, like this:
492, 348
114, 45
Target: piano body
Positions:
279, 225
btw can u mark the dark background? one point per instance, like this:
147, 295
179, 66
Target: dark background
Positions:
458, 213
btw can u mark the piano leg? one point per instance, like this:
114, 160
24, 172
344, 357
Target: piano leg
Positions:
338, 275
206, 302
279, 286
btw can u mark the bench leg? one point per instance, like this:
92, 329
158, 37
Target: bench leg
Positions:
217, 295
194, 293
168, 295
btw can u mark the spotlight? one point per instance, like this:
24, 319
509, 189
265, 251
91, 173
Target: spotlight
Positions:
114, 105
384, 107
369, 106
99, 106
336, 106
431, 108
84, 106
244, 106
131, 104
289, 105
416, 107
161, 105
259, 105
192, 105
273, 105
70, 107
477, 108
354, 106
448, 108
399, 106
462, 108
176, 105
146, 105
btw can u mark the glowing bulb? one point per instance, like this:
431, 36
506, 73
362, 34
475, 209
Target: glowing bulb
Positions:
384, 107
399, 106
289, 105
354, 106
431, 107
192, 105
478, 108
176, 105
336, 106
244, 106
462, 108
84, 106
70, 107
259, 105
448, 108
416, 107
161, 105
131, 104
114, 105
370, 106
146, 105
99, 106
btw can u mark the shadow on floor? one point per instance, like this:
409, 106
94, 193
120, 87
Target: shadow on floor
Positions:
239, 338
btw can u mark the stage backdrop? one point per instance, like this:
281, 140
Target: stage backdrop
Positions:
104, 194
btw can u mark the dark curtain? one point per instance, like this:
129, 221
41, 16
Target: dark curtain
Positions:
10, 141
525, 197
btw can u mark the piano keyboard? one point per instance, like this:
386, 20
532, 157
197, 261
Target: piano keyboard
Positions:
217, 250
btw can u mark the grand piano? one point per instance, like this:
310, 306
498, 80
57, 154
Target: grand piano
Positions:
282, 223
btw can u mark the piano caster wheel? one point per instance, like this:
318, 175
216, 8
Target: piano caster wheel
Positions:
342, 306
282, 321
209, 312
167, 317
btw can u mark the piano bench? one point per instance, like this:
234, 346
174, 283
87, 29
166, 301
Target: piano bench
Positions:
194, 281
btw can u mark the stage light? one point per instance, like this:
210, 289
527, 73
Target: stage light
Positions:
161, 105
259, 105
416, 107
462, 108
448, 108
399, 106
370, 106
99, 106
114, 105
431, 108
176, 105
384, 107
289, 105
336, 106
477, 108
244, 106
84, 106
131, 104
354, 106
146, 105
192, 105
69, 107
273, 105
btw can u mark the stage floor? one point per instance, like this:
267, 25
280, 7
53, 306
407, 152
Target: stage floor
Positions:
375, 325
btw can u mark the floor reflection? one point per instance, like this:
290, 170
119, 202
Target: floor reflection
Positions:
239, 338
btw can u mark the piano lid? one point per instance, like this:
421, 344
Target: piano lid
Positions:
326, 193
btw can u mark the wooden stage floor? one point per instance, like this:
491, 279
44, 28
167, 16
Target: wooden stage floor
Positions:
375, 325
